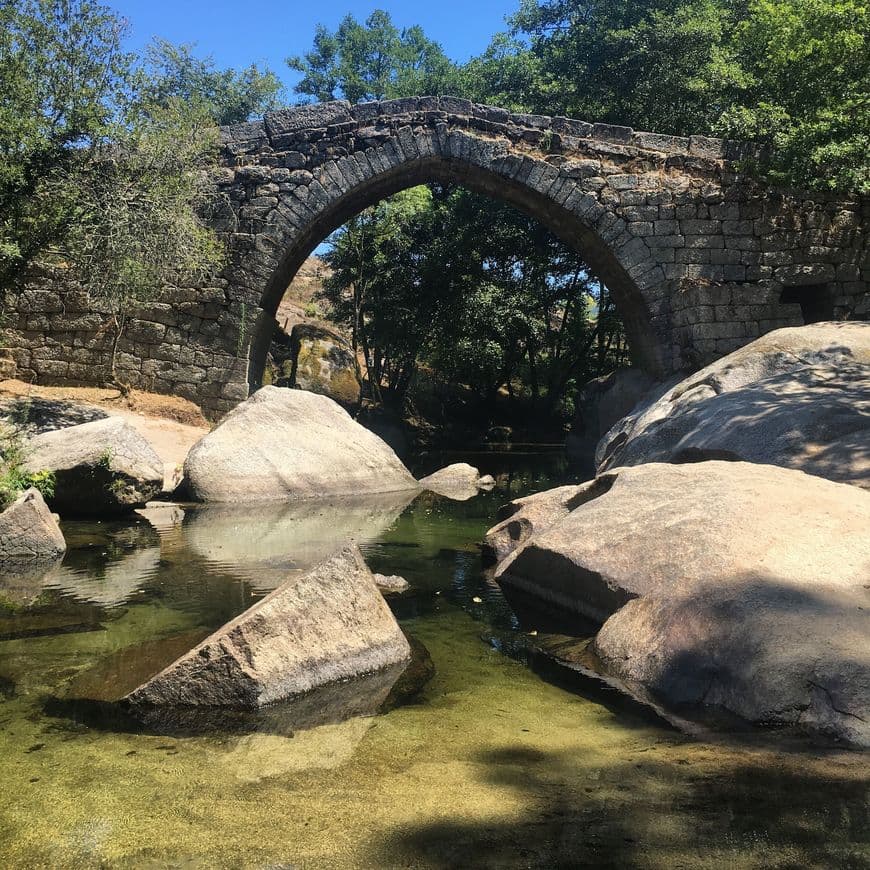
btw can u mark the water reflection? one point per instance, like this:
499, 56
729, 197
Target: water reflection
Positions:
261, 543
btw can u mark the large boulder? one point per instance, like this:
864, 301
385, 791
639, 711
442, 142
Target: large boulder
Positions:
600, 404
102, 468
28, 531
797, 397
735, 586
289, 444
328, 624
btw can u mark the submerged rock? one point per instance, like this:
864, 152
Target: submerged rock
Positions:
101, 468
29, 532
328, 624
728, 585
797, 397
389, 583
289, 444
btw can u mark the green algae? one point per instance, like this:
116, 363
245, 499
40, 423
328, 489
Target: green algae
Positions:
488, 766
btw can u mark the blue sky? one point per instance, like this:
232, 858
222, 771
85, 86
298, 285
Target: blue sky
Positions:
239, 33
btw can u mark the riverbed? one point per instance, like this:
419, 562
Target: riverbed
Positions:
496, 761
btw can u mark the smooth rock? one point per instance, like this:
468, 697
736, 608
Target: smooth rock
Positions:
101, 468
728, 585
797, 397
29, 531
285, 444
328, 624
459, 481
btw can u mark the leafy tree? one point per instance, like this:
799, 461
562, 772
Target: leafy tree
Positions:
172, 72
416, 282
788, 74
62, 74
805, 89
373, 60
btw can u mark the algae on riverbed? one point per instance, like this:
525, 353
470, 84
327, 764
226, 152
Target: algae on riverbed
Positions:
489, 766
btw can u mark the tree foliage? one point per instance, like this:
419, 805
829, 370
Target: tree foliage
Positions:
173, 73
792, 75
416, 283
373, 60
102, 153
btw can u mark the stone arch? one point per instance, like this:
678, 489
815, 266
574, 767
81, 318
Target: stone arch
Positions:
563, 197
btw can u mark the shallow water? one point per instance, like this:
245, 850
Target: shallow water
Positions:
497, 762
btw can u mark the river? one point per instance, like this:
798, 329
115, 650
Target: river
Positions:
497, 761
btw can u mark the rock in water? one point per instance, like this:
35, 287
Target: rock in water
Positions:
28, 531
289, 444
459, 481
101, 468
797, 397
329, 624
721, 584
391, 583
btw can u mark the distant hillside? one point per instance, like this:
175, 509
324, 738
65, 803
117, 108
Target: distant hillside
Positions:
301, 292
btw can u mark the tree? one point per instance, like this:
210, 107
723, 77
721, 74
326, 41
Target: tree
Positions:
62, 74
171, 72
103, 161
793, 76
805, 91
372, 61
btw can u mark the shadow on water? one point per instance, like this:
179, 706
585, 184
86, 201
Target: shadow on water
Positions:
717, 820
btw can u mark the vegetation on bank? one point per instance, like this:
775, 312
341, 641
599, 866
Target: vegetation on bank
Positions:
14, 478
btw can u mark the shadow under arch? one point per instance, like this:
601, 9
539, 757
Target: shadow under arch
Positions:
645, 345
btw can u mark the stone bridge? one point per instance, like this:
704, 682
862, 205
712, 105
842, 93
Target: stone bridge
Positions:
699, 257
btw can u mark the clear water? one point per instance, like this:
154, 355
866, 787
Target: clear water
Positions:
495, 763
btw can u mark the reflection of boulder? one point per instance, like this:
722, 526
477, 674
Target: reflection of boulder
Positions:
101, 468
29, 532
289, 444
329, 624
112, 586
261, 542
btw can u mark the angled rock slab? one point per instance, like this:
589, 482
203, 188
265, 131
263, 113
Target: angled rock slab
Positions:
29, 532
328, 624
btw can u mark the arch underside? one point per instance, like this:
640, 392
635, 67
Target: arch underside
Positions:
645, 344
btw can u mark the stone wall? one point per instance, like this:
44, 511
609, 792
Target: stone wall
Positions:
184, 345
700, 259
